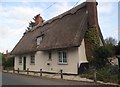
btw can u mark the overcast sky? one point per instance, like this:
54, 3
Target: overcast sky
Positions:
16, 14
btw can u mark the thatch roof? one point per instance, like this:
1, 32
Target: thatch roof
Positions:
63, 31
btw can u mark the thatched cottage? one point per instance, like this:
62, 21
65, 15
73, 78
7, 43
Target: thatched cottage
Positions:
61, 42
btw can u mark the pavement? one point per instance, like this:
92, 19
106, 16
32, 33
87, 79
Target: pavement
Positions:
15, 79
65, 77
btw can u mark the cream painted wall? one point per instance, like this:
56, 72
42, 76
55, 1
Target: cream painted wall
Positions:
70, 67
75, 56
17, 65
82, 53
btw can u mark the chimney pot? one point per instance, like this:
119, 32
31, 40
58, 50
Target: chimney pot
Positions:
38, 20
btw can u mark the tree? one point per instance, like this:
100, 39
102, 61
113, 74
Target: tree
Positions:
101, 55
118, 49
7, 63
3, 60
110, 41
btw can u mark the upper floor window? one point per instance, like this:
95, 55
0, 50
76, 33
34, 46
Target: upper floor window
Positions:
62, 57
32, 59
39, 39
20, 59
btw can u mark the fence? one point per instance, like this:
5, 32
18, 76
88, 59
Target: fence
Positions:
60, 72
91, 74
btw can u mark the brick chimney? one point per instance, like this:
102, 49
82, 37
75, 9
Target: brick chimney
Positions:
38, 20
92, 12
92, 21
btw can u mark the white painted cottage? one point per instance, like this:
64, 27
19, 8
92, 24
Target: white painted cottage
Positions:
59, 43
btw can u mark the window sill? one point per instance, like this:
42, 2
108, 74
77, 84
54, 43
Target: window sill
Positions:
20, 63
62, 63
32, 63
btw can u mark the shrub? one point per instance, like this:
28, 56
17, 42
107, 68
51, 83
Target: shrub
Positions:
104, 74
101, 55
7, 63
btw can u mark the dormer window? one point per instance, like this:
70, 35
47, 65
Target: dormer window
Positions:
39, 39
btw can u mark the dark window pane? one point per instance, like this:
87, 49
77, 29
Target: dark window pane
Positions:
50, 55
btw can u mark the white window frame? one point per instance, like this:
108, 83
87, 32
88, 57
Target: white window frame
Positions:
20, 60
62, 57
39, 39
32, 60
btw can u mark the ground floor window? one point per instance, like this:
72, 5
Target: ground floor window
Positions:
20, 60
50, 55
32, 59
62, 57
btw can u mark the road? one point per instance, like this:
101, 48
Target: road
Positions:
14, 79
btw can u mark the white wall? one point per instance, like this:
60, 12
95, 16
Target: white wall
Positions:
82, 53
16, 63
70, 67
75, 56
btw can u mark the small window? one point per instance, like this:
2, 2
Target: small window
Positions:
39, 39
32, 59
62, 57
20, 60
50, 55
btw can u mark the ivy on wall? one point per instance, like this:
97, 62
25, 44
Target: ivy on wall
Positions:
92, 36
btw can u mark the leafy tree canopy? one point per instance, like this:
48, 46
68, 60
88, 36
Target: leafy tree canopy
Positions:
101, 55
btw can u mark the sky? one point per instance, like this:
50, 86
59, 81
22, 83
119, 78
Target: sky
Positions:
15, 16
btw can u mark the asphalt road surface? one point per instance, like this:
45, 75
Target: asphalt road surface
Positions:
14, 79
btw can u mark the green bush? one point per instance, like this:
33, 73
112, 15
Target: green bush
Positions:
102, 74
87, 74
101, 55
7, 64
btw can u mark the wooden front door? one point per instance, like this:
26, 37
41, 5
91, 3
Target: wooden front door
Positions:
24, 63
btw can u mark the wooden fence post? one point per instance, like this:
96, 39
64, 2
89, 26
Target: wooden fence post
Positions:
27, 71
61, 73
40, 72
95, 79
18, 70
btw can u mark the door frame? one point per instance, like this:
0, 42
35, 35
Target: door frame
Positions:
24, 63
